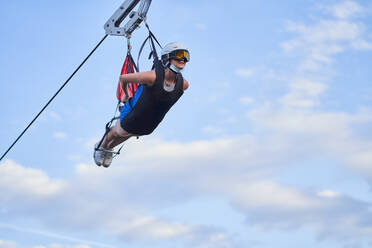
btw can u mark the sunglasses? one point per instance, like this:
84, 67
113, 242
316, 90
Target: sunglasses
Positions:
180, 55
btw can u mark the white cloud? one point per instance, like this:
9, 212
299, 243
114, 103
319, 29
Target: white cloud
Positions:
18, 181
282, 208
59, 135
174, 172
54, 115
345, 9
150, 227
51, 115
212, 130
75, 157
316, 46
83, 243
294, 99
246, 100
35, 194
7, 244
362, 45
308, 87
265, 202
218, 240
265, 193
362, 160
303, 93
68, 246
318, 43
328, 194
201, 26
303, 123
11, 244
245, 72
330, 132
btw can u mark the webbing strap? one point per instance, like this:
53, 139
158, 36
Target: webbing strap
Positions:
152, 38
140, 51
129, 70
153, 53
108, 128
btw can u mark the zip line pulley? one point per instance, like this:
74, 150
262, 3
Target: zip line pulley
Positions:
112, 26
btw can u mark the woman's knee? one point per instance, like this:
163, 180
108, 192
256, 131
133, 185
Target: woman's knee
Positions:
119, 131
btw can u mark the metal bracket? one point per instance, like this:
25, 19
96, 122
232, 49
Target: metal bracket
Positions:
112, 26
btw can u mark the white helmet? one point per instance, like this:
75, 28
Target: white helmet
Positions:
169, 50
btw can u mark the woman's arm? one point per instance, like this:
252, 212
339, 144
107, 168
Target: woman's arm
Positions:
185, 84
147, 77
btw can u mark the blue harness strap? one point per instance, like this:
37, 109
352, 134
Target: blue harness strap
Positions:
129, 105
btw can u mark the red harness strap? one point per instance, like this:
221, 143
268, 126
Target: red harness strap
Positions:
124, 95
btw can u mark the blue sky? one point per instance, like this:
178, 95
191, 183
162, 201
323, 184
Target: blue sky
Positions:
271, 145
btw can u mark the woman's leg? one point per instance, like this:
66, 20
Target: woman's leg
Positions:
115, 136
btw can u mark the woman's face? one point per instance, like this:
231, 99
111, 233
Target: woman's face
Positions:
180, 64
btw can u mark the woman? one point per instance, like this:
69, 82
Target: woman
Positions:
158, 91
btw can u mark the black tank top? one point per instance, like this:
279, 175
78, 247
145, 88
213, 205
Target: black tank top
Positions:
153, 103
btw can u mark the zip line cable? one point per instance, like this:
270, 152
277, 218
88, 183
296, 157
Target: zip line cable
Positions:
46, 105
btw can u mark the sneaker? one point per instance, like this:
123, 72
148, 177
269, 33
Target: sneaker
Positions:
102, 156
98, 156
108, 155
